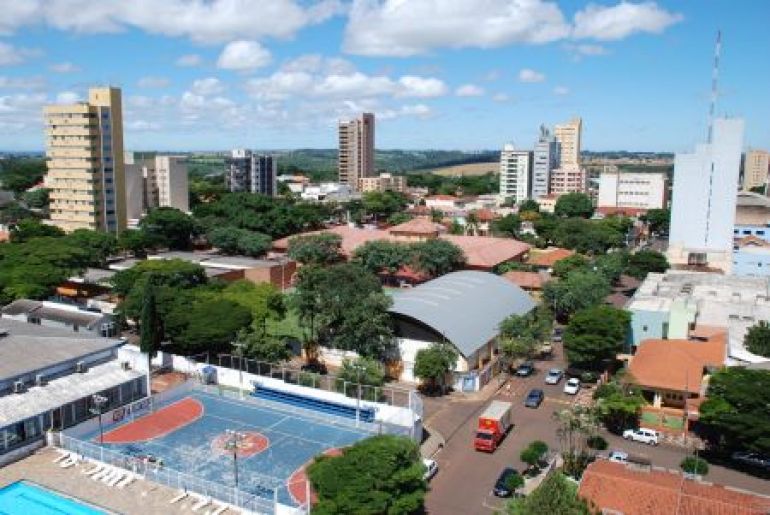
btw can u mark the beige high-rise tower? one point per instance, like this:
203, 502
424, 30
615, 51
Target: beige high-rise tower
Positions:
84, 146
569, 176
755, 168
356, 150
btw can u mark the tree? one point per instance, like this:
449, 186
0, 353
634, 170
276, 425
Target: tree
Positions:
529, 205
641, 263
316, 249
21, 173
382, 256
657, 220
472, 223
735, 412
150, 325
206, 325
509, 226
169, 227
261, 347
520, 335
534, 453
695, 465
437, 257
367, 328
365, 374
99, 245
579, 290
757, 339
575, 426
383, 203
595, 335
556, 495
434, 363
610, 265
618, 405
28, 228
399, 218
564, 266
381, 474
232, 240
37, 198
136, 242
574, 205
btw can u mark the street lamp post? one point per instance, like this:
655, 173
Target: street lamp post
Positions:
233, 438
239, 348
99, 402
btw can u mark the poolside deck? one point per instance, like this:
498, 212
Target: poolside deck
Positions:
141, 496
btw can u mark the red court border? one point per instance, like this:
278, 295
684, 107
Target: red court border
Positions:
297, 481
157, 424
253, 443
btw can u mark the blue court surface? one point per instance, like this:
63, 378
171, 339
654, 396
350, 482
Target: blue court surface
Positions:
293, 440
22, 498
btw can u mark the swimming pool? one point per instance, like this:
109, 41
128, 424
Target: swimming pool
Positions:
22, 498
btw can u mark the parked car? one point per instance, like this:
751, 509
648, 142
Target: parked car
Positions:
503, 484
554, 376
431, 468
618, 456
557, 334
752, 459
572, 386
525, 369
643, 435
534, 398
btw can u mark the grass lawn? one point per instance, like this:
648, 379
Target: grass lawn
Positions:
288, 327
670, 422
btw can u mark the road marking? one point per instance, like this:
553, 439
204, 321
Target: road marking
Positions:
560, 401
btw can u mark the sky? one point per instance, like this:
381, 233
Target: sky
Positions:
439, 74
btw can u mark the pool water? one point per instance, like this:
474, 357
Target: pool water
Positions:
22, 498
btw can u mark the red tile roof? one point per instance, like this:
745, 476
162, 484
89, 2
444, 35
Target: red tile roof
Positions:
485, 215
634, 491
417, 226
547, 258
525, 280
627, 211
441, 197
677, 364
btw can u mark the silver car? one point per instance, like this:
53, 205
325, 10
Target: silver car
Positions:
554, 376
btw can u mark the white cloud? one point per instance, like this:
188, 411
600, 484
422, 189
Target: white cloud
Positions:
622, 20
207, 86
561, 90
22, 82
355, 84
416, 110
587, 49
500, 97
21, 102
421, 87
189, 60
10, 54
142, 125
529, 75
153, 82
243, 55
67, 97
492, 75
280, 85
469, 90
212, 21
405, 28
65, 67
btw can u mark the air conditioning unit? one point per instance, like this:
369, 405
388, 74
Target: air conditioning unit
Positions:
80, 367
18, 387
125, 365
40, 380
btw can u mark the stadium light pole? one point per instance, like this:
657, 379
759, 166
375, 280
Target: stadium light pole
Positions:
99, 402
233, 437
239, 348
358, 367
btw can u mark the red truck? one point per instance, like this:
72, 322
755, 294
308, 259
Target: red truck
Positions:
494, 423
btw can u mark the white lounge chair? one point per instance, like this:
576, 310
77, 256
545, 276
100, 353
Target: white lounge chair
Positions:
97, 467
182, 495
118, 477
109, 477
126, 481
63, 453
99, 475
202, 503
218, 511
71, 460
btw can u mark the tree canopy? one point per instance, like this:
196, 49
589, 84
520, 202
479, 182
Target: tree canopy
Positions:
618, 405
20, 174
508, 226
383, 204
382, 474
170, 228
434, 363
758, 339
316, 249
555, 495
205, 325
579, 290
437, 257
564, 266
232, 240
658, 220
574, 205
641, 263
595, 335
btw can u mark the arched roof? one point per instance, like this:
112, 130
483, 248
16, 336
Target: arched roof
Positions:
465, 307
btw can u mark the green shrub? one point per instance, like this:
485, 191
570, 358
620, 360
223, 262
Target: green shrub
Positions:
695, 465
598, 443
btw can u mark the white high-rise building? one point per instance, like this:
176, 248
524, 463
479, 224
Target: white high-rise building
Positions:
155, 181
704, 197
635, 191
545, 159
356, 150
515, 173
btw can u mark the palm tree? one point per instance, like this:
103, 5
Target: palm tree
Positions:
472, 223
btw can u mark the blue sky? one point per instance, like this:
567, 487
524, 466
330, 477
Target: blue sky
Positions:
453, 74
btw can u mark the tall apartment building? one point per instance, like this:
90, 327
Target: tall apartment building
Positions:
569, 176
756, 167
515, 173
255, 173
356, 149
383, 182
545, 159
636, 191
84, 146
704, 198
155, 181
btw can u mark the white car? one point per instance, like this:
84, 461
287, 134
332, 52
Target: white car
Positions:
572, 386
431, 468
643, 435
554, 376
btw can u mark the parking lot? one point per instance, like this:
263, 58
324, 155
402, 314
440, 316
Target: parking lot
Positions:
466, 477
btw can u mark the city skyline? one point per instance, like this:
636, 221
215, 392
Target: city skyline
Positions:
214, 79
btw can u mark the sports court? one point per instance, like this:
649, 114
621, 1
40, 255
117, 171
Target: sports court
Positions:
190, 435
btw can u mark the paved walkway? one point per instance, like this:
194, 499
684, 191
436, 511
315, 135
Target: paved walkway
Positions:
140, 497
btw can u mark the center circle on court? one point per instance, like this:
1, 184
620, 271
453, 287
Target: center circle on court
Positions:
249, 443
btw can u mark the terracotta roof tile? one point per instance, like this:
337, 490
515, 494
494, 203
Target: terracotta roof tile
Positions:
526, 280
547, 258
614, 486
419, 225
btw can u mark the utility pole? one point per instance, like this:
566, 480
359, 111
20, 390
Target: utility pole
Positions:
234, 437
99, 402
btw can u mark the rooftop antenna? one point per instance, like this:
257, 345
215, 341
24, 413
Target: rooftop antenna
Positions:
714, 83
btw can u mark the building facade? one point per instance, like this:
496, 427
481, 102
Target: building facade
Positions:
255, 173
545, 159
155, 181
383, 182
632, 190
356, 150
515, 173
569, 136
84, 146
756, 166
704, 199
568, 179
